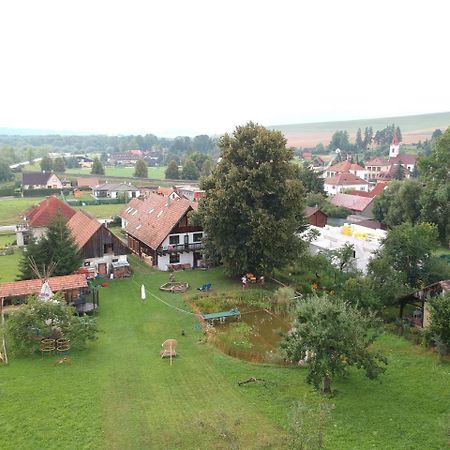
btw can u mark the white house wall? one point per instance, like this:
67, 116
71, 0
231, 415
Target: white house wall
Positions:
185, 258
332, 189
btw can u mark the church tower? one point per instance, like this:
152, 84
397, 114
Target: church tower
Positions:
394, 147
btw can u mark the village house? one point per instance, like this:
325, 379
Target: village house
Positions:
41, 180
115, 190
90, 182
128, 158
365, 241
101, 249
376, 166
159, 230
192, 193
355, 203
37, 219
342, 181
315, 216
347, 167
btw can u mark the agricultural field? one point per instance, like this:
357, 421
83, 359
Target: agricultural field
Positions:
156, 173
119, 393
414, 128
9, 266
12, 209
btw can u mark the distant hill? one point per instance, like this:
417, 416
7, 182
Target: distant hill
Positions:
414, 128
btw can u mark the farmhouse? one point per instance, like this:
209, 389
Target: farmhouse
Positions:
159, 230
192, 193
101, 249
41, 180
38, 218
114, 190
315, 216
337, 183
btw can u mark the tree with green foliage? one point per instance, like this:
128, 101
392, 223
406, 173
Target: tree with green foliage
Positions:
103, 157
59, 165
368, 135
332, 336
399, 172
359, 141
203, 143
140, 169
439, 308
30, 155
408, 249
5, 172
340, 139
310, 179
97, 167
172, 171
437, 133
254, 202
47, 318
57, 246
190, 170
46, 164
72, 163
399, 134
207, 168
398, 203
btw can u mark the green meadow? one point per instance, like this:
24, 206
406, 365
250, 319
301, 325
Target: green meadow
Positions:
119, 393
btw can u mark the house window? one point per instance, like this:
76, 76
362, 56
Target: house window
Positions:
197, 237
108, 248
174, 240
174, 258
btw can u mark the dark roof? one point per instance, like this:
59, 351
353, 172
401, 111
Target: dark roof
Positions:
42, 214
35, 178
115, 187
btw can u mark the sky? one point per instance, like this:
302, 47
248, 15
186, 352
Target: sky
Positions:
202, 67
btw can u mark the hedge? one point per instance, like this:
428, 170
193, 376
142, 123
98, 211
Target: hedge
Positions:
45, 192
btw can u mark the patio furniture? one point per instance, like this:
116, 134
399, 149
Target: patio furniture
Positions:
62, 345
169, 348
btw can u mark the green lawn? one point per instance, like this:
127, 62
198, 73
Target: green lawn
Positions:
102, 211
157, 173
12, 209
7, 239
119, 394
9, 268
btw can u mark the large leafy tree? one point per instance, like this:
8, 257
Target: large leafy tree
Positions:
59, 165
46, 164
172, 171
97, 167
57, 246
190, 170
311, 180
254, 202
440, 322
140, 169
5, 172
332, 336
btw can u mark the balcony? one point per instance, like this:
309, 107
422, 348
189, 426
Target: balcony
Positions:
180, 248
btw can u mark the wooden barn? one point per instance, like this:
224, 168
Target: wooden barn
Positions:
99, 246
316, 217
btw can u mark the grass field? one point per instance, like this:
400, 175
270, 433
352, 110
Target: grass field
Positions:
12, 209
414, 128
156, 173
119, 394
9, 265
102, 211
7, 239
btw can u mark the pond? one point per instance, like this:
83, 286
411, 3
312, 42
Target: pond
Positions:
256, 337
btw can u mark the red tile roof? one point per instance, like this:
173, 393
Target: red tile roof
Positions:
345, 179
403, 159
309, 211
377, 190
353, 202
83, 226
45, 212
29, 287
377, 162
90, 182
152, 219
344, 166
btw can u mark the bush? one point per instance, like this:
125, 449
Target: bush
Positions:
51, 318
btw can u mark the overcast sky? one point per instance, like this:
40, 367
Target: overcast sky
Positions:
173, 67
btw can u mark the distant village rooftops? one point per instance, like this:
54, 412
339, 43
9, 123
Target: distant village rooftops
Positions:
343, 179
352, 202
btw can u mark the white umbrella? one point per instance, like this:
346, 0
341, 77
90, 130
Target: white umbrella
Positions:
143, 292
